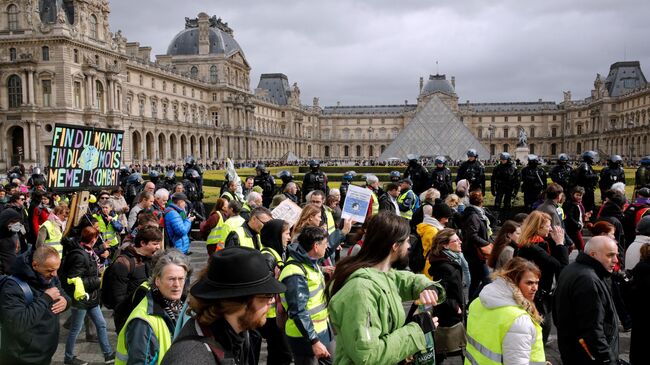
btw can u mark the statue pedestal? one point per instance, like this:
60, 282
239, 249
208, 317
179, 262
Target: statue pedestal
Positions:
521, 154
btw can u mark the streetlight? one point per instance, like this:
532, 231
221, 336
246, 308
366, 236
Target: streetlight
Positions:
491, 129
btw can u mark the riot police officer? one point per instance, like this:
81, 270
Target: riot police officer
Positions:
192, 190
190, 164
561, 173
124, 175
154, 177
315, 179
395, 176
642, 175
504, 185
264, 180
37, 180
134, 185
440, 178
611, 174
169, 181
286, 176
347, 180
473, 171
585, 176
533, 181
418, 174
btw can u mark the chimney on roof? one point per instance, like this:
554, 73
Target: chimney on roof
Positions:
421, 83
204, 33
406, 102
453, 82
539, 100
338, 103
315, 103
467, 101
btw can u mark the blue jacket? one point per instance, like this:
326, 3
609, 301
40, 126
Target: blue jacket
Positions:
178, 226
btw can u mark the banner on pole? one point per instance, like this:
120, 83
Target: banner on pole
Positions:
84, 158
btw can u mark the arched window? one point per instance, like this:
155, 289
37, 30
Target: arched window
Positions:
553, 149
12, 54
358, 151
12, 17
194, 72
505, 147
327, 151
371, 151
99, 91
15, 92
45, 53
93, 26
213, 74
346, 151
579, 148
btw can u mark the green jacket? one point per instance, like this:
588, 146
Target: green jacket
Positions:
372, 331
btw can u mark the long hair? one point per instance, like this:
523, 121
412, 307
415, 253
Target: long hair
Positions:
218, 206
384, 230
512, 273
532, 224
601, 228
501, 241
308, 212
442, 238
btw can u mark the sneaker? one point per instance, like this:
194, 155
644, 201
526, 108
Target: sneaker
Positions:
75, 361
110, 358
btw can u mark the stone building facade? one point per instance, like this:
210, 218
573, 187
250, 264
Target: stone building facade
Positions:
60, 63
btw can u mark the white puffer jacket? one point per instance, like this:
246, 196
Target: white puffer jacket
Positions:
518, 342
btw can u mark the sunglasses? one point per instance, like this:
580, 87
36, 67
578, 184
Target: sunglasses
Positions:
104, 198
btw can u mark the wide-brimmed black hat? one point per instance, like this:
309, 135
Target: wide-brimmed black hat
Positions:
237, 272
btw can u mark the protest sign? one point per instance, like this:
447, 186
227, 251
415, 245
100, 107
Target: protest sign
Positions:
84, 158
287, 211
356, 203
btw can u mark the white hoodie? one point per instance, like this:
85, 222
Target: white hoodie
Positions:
518, 342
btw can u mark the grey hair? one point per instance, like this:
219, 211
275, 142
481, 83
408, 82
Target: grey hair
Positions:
371, 179
162, 194
167, 257
430, 195
619, 186
334, 191
253, 196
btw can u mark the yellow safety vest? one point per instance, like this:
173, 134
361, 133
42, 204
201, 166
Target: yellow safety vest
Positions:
375, 202
157, 323
54, 236
486, 328
280, 264
216, 235
230, 196
246, 241
409, 213
316, 305
108, 232
331, 226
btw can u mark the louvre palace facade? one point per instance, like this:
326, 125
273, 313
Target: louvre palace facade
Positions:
60, 63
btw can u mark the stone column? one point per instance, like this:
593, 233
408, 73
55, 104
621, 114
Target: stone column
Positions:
30, 80
33, 141
25, 85
109, 95
89, 91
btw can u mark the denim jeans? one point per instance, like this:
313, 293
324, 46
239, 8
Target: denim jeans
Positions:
95, 314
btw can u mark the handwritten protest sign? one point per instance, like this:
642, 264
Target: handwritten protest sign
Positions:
356, 203
287, 211
84, 158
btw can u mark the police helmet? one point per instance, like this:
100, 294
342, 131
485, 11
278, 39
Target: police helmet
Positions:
616, 159
154, 174
533, 158
472, 153
36, 171
504, 156
412, 157
285, 174
395, 175
14, 175
135, 179
314, 163
563, 157
589, 156
440, 160
192, 174
189, 160
348, 175
645, 161
169, 175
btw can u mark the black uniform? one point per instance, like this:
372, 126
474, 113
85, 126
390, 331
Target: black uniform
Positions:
194, 195
314, 180
344, 191
267, 183
561, 174
642, 177
419, 175
474, 173
441, 180
505, 184
609, 176
585, 176
533, 183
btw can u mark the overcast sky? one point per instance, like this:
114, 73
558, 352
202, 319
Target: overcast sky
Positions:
374, 51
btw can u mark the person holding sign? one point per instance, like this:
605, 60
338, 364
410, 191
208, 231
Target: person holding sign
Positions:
374, 329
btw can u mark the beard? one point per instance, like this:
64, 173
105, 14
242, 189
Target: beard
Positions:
401, 263
251, 319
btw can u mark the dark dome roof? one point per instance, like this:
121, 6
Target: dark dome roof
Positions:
438, 83
187, 43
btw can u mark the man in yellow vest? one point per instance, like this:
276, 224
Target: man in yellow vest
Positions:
147, 334
109, 225
336, 236
372, 183
231, 193
248, 234
407, 201
308, 329
51, 232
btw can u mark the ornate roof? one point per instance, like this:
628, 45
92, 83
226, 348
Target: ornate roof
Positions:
186, 42
437, 83
49, 10
625, 77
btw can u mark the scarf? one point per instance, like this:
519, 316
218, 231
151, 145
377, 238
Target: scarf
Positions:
171, 307
483, 217
56, 220
93, 256
433, 222
459, 258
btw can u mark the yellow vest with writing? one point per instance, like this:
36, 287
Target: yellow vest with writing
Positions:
54, 236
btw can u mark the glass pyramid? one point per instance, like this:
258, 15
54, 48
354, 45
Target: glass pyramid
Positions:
434, 131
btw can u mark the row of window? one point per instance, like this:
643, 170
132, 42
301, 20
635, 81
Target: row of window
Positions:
15, 91
346, 151
505, 118
45, 53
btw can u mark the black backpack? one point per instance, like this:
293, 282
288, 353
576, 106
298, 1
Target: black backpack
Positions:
416, 254
108, 299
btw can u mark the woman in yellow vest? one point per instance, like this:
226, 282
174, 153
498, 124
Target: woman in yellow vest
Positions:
503, 326
51, 232
275, 237
147, 334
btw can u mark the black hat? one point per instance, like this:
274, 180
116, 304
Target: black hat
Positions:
237, 272
407, 180
179, 196
442, 210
